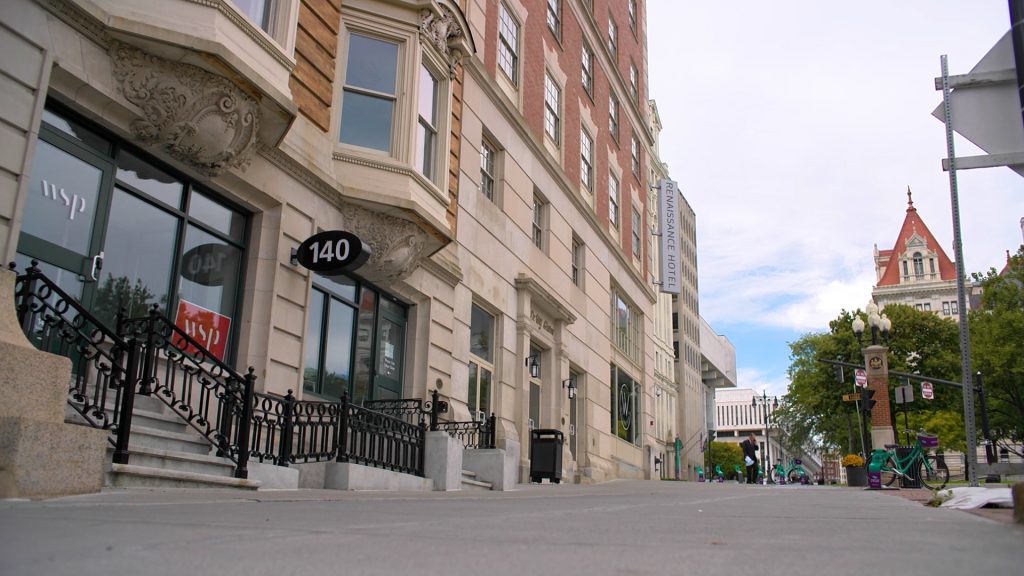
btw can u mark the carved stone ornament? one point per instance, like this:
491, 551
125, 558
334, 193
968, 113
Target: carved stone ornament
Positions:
396, 245
197, 117
441, 31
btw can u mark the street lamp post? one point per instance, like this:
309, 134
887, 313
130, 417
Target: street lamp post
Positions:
765, 456
876, 361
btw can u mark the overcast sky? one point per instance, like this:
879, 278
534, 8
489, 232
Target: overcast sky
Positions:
794, 128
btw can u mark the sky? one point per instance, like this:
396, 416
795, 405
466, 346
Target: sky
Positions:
794, 128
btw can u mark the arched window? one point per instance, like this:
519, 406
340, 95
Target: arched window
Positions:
918, 264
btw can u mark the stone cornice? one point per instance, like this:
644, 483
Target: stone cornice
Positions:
548, 301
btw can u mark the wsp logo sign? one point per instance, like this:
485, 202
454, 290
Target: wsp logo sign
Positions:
74, 203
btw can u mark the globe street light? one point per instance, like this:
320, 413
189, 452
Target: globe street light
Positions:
876, 361
763, 400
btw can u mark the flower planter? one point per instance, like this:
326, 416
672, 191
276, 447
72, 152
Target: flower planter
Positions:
856, 476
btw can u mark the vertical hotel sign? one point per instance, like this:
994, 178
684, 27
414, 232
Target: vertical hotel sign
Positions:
668, 219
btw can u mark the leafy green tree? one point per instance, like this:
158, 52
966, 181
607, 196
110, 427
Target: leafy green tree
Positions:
725, 454
997, 349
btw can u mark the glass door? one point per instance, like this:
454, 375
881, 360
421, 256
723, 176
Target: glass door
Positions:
387, 381
65, 213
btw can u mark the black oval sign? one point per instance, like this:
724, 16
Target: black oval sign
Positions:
332, 252
209, 264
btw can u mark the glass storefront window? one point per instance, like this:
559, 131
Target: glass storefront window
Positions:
77, 131
63, 198
145, 177
217, 216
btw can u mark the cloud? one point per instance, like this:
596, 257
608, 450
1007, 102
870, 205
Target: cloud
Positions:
762, 381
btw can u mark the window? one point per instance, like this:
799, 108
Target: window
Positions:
586, 161
555, 17
258, 11
613, 35
552, 105
636, 233
577, 261
587, 62
426, 132
487, 154
368, 101
625, 405
905, 270
931, 265
634, 155
613, 201
481, 362
508, 44
927, 306
918, 265
613, 117
538, 222
626, 322
954, 307
945, 308
634, 83
631, 10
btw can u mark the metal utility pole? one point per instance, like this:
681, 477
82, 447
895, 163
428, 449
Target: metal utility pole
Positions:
965, 350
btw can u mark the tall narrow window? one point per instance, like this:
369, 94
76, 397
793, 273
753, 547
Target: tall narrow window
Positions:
487, 154
931, 265
918, 264
368, 101
636, 233
631, 11
945, 308
613, 117
481, 362
552, 105
508, 44
587, 63
577, 261
634, 83
613, 35
426, 133
613, 201
586, 161
634, 155
954, 307
555, 17
538, 222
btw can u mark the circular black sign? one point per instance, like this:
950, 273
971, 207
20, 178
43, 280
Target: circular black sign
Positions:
332, 252
208, 264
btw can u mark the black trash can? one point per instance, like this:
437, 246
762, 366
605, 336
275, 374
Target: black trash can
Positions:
913, 477
546, 455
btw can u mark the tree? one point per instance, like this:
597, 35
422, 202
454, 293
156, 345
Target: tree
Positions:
997, 349
725, 454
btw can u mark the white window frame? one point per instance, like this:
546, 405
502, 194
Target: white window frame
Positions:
577, 259
634, 155
613, 201
635, 232
508, 48
552, 109
587, 65
554, 17
613, 116
538, 221
488, 173
613, 36
586, 160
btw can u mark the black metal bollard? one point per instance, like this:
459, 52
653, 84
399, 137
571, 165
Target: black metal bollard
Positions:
287, 429
245, 424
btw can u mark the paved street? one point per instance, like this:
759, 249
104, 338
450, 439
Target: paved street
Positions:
620, 527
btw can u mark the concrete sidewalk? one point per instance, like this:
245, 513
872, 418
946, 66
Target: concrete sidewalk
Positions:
624, 527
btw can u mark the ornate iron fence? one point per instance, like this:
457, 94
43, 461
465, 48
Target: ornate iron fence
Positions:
206, 393
376, 439
475, 434
102, 386
288, 431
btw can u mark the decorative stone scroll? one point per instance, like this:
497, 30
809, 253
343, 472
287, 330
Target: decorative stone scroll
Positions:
197, 117
396, 244
446, 35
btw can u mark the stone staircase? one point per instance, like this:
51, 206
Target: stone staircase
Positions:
165, 452
470, 482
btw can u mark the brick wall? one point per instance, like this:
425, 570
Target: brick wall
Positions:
316, 49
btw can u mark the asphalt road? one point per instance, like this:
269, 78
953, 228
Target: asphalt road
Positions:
627, 528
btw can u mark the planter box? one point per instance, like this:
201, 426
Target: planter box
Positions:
856, 476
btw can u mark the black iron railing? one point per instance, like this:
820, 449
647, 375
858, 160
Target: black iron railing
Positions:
208, 394
376, 439
288, 431
103, 364
475, 434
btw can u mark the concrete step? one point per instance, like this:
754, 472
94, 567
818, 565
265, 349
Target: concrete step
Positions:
188, 441
133, 476
469, 482
180, 461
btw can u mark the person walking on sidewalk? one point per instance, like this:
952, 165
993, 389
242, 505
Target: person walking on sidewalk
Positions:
749, 447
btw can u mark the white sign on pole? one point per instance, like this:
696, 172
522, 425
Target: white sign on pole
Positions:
926, 391
668, 217
861, 377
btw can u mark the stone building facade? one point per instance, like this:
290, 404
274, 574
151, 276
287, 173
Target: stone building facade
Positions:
492, 154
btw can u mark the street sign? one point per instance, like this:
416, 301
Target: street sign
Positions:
926, 391
861, 377
904, 394
851, 397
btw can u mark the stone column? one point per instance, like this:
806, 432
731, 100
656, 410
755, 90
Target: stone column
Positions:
40, 455
877, 362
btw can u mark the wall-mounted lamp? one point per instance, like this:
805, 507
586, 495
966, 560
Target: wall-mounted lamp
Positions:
657, 392
570, 383
533, 363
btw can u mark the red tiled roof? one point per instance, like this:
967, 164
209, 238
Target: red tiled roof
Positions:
914, 224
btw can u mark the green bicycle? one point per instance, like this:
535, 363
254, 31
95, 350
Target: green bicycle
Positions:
793, 474
931, 468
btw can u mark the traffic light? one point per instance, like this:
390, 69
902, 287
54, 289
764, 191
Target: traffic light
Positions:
839, 374
868, 402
